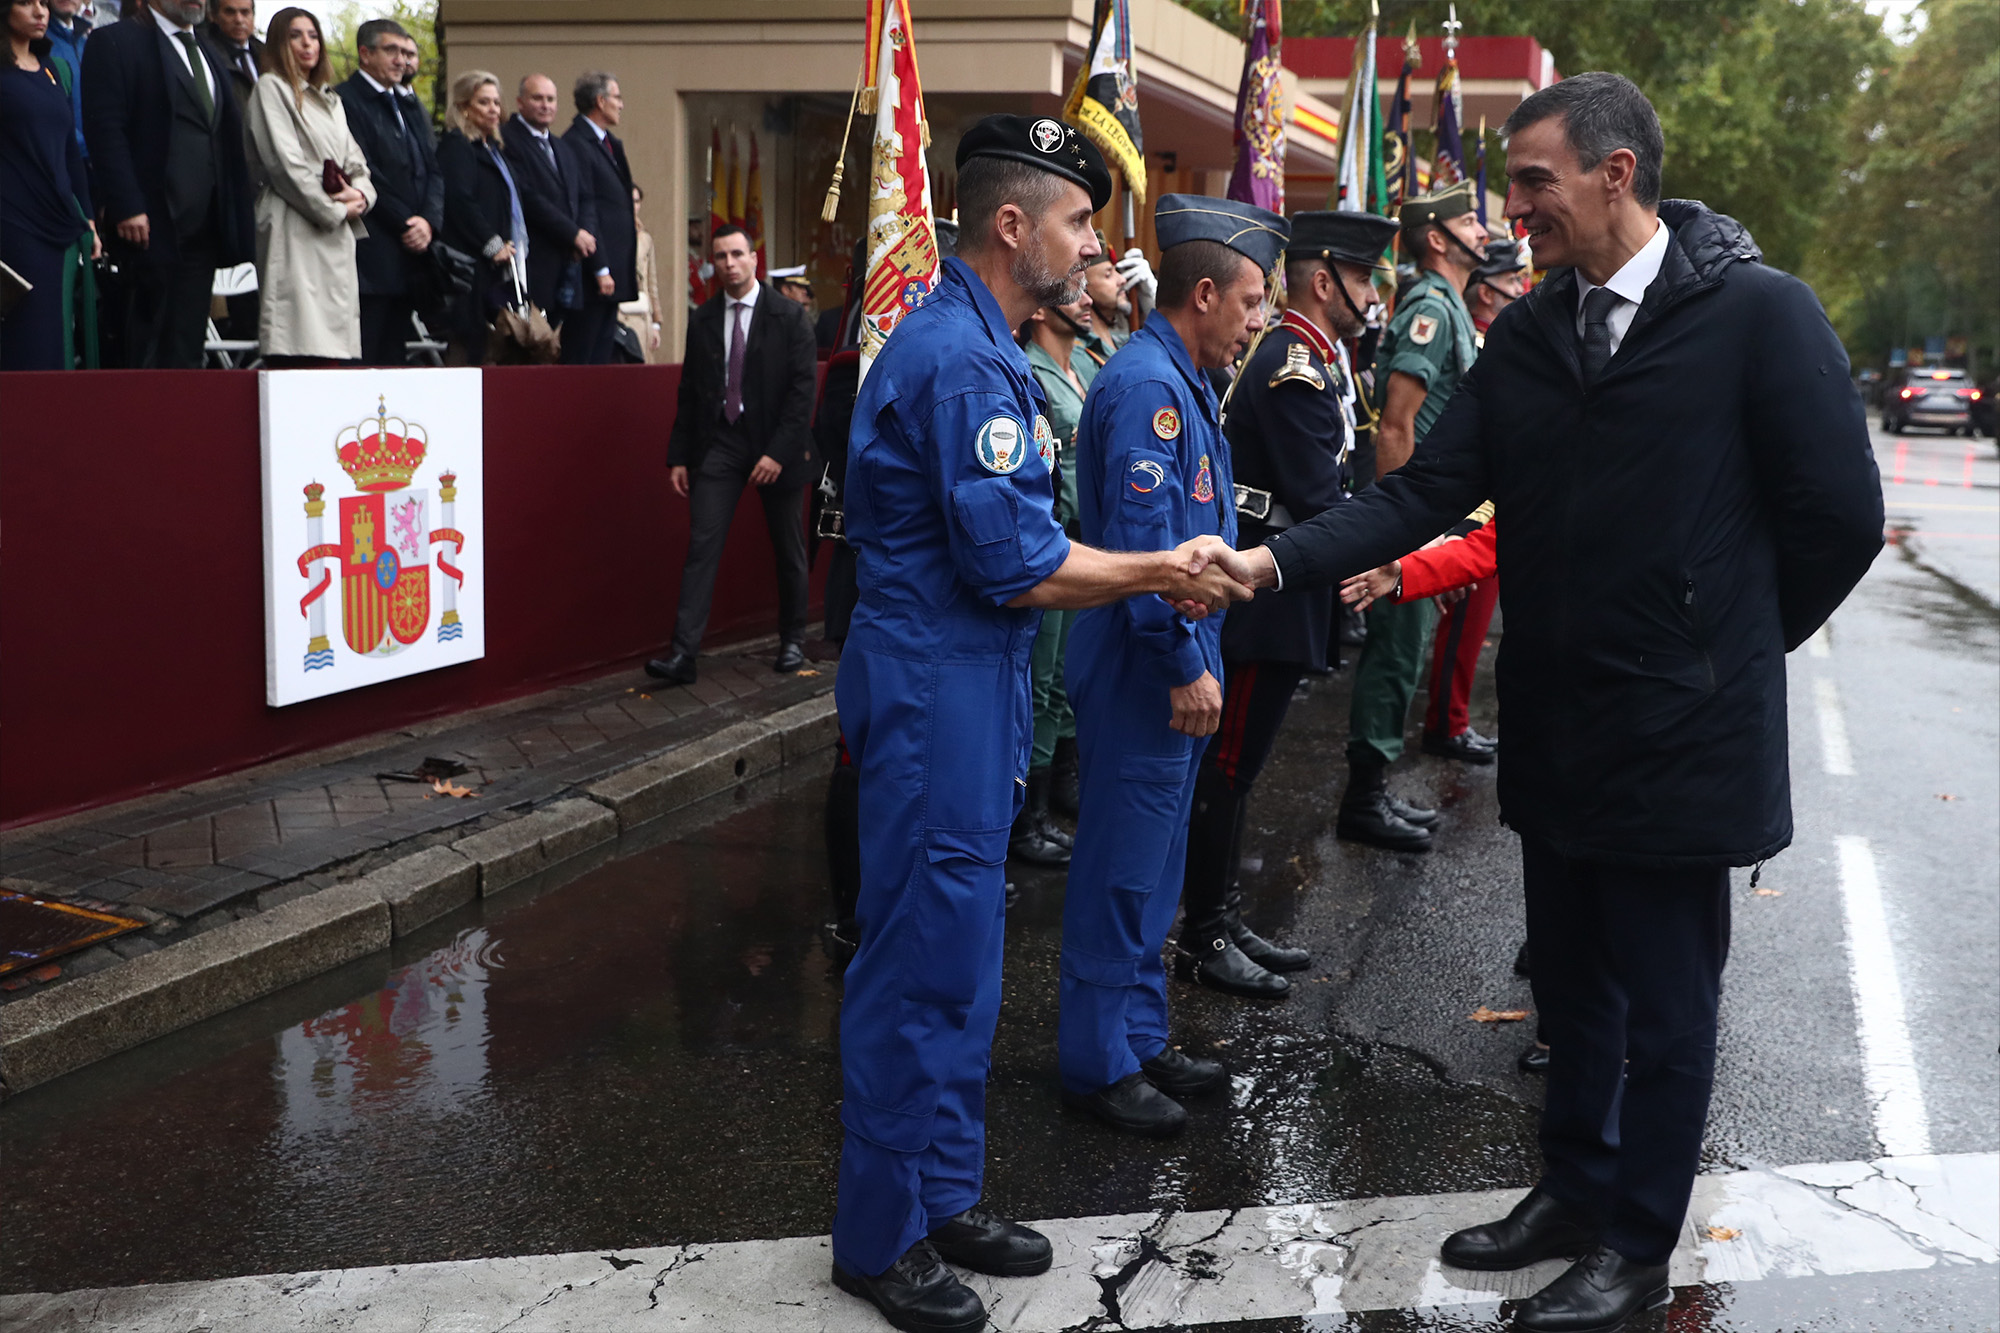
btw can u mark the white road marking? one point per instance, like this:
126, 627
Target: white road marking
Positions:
1819, 645
1155, 1269
1888, 1063
1834, 753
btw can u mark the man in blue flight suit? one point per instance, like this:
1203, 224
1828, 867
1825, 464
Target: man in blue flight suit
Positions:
1291, 424
949, 511
1146, 681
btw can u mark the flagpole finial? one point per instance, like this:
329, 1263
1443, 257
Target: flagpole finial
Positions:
1451, 27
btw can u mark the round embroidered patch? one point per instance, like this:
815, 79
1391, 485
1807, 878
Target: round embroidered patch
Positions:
1167, 424
1000, 446
1045, 441
1146, 476
1046, 135
1204, 484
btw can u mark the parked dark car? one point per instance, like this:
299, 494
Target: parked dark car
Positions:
1940, 396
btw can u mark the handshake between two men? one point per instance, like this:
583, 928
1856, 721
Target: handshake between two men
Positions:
1217, 574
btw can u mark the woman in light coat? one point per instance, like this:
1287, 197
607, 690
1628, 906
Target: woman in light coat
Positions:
310, 311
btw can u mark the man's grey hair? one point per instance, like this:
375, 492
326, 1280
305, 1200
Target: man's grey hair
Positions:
590, 88
987, 183
1601, 113
370, 34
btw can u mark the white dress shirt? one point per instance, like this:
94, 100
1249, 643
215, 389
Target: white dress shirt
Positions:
1629, 283
198, 68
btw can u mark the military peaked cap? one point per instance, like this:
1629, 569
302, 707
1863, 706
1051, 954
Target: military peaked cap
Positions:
1041, 142
1342, 237
1256, 233
1446, 204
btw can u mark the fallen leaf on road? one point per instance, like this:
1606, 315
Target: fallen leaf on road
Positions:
1721, 1233
805, 672
645, 696
1484, 1015
443, 788
1946, 796
1770, 893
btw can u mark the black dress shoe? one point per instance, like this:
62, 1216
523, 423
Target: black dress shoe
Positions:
918, 1294
1179, 1074
1460, 747
677, 669
791, 656
1522, 962
1599, 1293
1412, 814
1540, 1227
988, 1243
1134, 1105
1271, 957
1219, 965
1534, 1060
1373, 821
1065, 778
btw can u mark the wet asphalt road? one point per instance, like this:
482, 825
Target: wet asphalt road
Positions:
645, 1054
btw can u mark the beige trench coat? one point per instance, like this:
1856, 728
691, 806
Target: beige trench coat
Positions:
309, 290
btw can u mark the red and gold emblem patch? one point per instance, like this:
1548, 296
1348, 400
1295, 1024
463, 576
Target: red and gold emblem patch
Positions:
1167, 424
1204, 484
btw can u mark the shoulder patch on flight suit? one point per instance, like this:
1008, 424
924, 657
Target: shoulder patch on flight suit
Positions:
1146, 476
1167, 423
1298, 369
1045, 441
1000, 446
1423, 328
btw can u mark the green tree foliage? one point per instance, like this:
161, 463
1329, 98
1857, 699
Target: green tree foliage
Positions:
417, 19
1911, 246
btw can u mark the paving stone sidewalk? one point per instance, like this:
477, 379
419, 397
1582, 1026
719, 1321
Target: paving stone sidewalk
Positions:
201, 856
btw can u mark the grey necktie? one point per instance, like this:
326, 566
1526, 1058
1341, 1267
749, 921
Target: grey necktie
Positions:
1597, 308
194, 71
732, 394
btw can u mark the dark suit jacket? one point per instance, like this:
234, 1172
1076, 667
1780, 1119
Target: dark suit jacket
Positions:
607, 183
134, 90
555, 206
225, 54
476, 213
780, 376
408, 184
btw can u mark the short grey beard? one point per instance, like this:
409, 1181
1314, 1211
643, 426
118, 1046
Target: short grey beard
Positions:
1032, 274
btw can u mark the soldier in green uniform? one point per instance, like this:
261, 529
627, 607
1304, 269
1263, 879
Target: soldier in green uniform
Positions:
1425, 351
1054, 339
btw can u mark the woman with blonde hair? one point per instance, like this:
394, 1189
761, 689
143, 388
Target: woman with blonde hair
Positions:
482, 208
313, 187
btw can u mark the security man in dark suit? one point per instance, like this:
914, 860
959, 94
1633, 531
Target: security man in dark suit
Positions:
561, 218
169, 173
745, 417
232, 30
395, 136
611, 275
1290, 422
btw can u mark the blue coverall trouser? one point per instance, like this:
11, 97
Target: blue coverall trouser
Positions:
1137, 782
938, 744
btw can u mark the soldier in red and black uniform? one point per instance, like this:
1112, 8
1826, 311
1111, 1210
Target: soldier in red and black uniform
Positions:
1290, 423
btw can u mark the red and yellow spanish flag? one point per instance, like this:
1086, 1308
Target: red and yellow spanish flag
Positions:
902, 230
718, 183
753, 206
735, 183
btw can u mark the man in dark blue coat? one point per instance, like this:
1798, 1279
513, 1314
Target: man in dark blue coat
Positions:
1670, 429
561, 218
395, 136
610, 274
168, 173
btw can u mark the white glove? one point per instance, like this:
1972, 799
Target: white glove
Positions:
1138, 276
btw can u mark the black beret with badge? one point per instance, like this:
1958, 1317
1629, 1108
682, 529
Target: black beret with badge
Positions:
1256, 233
1041, 142
1341, 237
1450, 202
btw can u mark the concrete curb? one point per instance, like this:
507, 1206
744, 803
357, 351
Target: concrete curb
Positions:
86, 1020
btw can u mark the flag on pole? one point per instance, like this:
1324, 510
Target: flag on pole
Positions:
902, 231
1448, 162
1481, 188
1399, 159
1360, 187
1104, 104
1259, 175
718, 182
753, 206
735, 182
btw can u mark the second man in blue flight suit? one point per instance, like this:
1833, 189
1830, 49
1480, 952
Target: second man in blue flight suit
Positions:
1145, 681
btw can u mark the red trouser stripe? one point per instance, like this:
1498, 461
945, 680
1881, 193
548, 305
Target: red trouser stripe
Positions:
1235, 714
1455, 657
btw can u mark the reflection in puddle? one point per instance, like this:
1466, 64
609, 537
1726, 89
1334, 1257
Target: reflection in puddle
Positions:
418, 1044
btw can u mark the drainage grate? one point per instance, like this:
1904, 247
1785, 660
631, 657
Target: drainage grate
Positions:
33, 929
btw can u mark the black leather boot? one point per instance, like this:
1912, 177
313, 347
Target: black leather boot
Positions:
1412, 814
1540, 1227
1210, 958
843, 859
1366, 814
988, 1243
1599, 1293
1028, 843
1064, 780
1134, 1105
1045, 820
918, 1294
1271, 957
1179, 1074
